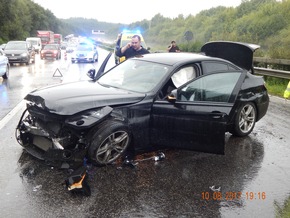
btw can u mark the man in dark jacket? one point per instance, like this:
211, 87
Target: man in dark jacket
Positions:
173, 47
132, 49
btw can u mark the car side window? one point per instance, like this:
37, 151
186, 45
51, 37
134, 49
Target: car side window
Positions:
216, 87
210, 67
179, 78
183, 75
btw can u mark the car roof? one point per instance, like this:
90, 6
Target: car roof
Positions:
176, 58
33, 38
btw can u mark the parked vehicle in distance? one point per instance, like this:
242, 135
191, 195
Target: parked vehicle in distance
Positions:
19, 52
35, 42
63, 45
4, 65
85, 52
149, 102
47, 37
57, 38
71, 47
51, 51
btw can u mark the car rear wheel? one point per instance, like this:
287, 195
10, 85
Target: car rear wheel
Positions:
108, 143
245, 119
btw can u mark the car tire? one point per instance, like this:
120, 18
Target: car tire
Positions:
245, 119
108, 143
6, 74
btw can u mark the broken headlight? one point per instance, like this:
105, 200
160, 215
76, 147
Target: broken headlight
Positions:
88, 118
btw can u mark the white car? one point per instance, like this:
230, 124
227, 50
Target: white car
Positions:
4, 65
85, 53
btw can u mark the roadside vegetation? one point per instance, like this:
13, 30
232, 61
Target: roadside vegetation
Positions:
262, 22
276, 86
284, 211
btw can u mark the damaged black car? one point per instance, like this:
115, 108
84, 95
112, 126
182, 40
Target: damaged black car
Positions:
147, 103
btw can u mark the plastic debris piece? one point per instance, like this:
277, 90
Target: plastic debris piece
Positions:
213, 188
159, 157
37, 188
77, 182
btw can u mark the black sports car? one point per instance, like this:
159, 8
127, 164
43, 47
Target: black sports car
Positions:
160, 100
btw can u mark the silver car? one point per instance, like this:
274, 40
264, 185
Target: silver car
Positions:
19, 52
4, 65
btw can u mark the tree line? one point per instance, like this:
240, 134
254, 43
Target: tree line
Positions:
263, 22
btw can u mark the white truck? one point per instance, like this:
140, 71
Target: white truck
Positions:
35, 42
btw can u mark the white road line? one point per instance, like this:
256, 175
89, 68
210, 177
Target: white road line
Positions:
11, 114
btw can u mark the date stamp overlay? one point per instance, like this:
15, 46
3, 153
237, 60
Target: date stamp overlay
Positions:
231, 196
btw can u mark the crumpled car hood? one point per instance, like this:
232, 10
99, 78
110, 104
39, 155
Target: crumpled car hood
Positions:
238, 53
71, 98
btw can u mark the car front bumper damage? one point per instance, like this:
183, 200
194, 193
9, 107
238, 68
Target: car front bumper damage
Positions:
44, 145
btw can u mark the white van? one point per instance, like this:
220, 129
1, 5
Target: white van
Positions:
35, 42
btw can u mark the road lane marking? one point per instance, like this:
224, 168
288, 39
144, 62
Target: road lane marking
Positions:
11, 114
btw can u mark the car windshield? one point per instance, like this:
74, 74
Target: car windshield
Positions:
15, 46
33, 42
84, 48
135, 75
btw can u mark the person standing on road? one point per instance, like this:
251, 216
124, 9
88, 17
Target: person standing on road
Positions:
132, 49
173, 47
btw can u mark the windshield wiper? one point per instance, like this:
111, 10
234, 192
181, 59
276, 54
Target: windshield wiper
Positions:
108, 86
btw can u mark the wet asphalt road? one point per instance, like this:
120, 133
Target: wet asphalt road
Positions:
251, 179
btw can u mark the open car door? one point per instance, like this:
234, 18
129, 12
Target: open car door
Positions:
198, 117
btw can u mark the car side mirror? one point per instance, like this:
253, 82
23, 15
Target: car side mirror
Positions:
91, 73
172, 96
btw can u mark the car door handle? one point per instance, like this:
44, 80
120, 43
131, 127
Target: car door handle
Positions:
217, 114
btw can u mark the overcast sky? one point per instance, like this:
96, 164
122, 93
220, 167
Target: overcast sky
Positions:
116, 11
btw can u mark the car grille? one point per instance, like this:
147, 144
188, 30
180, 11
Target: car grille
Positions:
12, 55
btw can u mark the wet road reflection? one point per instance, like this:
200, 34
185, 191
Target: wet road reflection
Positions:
175, 187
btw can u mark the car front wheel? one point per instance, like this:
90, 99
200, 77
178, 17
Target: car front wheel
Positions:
108, 143
245, 119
